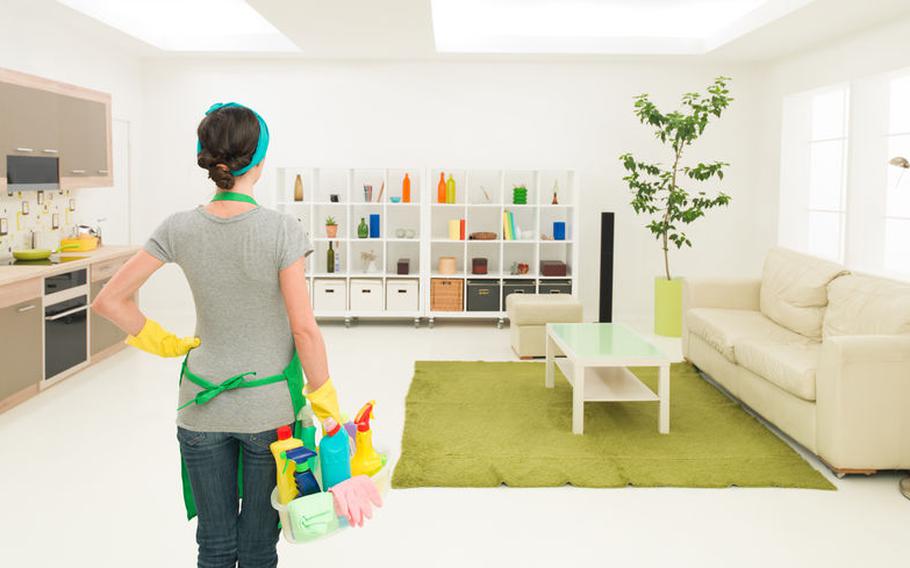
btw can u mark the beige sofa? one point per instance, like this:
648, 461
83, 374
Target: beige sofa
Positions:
821, 353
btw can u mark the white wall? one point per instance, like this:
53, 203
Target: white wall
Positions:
475, 115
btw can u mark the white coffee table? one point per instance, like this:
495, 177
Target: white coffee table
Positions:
595, 359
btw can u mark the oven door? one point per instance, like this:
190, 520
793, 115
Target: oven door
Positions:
65, 335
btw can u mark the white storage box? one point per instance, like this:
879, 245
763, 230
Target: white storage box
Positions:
366, 295
401, 295
330, 295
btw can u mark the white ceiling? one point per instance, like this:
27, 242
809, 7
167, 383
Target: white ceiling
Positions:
403, 29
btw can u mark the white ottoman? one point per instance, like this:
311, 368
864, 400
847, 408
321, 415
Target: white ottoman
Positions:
529, 313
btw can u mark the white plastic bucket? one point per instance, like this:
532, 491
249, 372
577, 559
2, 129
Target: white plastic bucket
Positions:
382, 479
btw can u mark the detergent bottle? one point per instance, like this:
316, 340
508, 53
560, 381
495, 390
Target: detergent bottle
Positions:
366, 460
287, 489
309, 434
303, 475
334, 454
441, 188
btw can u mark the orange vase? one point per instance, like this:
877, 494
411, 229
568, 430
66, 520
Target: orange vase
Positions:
441, 188
406, 189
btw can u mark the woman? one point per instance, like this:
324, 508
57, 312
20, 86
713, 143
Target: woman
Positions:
241, 378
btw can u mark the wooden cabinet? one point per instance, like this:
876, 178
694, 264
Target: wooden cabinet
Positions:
21, 339
83, 138
102, 332
40, 117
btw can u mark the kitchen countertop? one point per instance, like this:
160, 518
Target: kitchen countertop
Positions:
16, 273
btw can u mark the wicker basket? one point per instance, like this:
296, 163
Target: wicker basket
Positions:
447, 294
482, 236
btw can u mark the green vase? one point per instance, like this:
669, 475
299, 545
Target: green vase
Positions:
363, 230
668, 307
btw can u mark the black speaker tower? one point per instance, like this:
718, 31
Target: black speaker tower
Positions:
606, 267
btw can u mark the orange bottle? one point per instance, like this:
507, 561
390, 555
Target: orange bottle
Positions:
406, 189
441, 188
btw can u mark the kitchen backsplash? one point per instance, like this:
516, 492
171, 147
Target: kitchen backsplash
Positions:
21, 213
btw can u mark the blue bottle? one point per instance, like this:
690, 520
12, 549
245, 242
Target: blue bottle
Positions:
303, 475
334, 454
374, 225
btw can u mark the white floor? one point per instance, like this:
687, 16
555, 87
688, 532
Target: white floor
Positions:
90, 478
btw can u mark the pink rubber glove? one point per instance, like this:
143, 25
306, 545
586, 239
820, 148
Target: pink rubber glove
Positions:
352, 499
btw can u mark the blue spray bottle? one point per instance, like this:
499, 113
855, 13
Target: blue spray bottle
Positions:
303, 475
334, 454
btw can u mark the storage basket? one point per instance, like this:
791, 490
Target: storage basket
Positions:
447, 294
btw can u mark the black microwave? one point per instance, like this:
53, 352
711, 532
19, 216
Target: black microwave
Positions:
32, 173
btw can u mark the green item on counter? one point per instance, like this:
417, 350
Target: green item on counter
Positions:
363, 230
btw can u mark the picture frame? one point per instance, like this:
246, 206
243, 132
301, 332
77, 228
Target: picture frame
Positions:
4, 226
55, 221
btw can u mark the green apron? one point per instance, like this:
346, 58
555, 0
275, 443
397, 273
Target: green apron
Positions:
292, 374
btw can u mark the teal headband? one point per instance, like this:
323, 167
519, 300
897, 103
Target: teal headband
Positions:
261, 146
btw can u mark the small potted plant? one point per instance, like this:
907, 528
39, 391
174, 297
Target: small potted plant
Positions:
331, 228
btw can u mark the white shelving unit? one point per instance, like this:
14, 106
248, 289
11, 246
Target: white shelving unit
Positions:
482, 196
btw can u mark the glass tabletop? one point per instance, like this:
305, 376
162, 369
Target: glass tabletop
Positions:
593, 340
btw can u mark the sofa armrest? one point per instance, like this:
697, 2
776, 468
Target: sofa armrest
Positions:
730, 293
863, 402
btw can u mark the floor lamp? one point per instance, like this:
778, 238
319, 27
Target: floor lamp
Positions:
901, 162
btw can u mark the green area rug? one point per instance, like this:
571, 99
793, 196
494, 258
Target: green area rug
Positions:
476, 424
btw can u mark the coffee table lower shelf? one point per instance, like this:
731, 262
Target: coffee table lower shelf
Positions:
604, 384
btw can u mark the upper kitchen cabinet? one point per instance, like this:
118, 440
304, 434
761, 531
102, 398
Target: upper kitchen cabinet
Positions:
40, 117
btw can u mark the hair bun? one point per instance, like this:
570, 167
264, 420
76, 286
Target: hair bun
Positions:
221, 176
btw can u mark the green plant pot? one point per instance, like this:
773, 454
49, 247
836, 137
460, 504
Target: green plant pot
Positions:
668, 307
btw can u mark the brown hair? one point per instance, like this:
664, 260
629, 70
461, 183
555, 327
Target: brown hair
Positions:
229, 137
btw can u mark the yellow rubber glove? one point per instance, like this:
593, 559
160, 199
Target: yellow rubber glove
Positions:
155, 340
324, 401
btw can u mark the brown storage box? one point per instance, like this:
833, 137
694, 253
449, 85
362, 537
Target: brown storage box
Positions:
447, 294
552, 268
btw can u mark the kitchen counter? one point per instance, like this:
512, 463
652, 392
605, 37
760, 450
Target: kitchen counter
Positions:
16, 273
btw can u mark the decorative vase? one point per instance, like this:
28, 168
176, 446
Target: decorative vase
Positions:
363, 230
331, 231
298, 188
668, 307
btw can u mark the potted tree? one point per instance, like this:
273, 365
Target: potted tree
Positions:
657, 188
331, 228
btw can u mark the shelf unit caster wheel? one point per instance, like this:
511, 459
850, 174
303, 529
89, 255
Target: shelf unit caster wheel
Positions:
416, 323
499, 323
430, 322
347, 322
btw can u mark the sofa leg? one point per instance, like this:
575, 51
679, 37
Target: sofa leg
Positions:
840, 472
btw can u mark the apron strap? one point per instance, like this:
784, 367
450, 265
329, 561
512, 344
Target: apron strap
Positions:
211, 390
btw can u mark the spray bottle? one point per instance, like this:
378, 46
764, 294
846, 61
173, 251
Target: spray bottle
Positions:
334, 454
308, 433
303, 475
366, 460
287, 489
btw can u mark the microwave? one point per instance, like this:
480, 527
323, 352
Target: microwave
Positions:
32, 173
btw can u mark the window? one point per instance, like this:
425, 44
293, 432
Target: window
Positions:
827, 174
897, 193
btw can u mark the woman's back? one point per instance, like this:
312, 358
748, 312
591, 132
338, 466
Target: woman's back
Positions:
232, 265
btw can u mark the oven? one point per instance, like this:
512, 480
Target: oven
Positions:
65, 322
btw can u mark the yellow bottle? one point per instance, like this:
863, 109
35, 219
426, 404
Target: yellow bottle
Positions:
287, 487
450, 190
366, 460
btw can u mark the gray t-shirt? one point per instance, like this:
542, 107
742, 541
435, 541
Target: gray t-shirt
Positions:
232, 267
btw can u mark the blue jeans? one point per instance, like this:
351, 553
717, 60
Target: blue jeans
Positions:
226, 533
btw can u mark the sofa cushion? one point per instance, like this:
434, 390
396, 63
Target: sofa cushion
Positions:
723, 328
791, 366
794, 290
866, 305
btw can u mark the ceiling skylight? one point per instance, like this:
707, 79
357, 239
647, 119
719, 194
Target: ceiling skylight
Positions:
595, 26
189, 25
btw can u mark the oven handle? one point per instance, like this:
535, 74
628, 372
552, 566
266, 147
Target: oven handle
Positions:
66, 313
